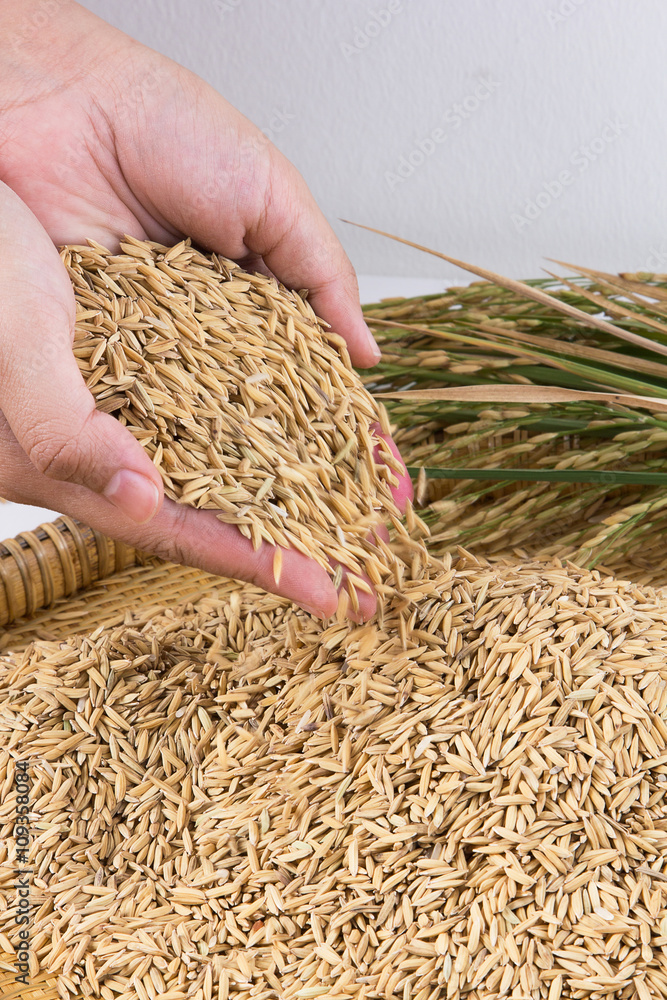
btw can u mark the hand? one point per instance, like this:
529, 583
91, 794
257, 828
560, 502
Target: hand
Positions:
100, 136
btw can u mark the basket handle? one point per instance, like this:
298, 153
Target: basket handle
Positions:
53, 561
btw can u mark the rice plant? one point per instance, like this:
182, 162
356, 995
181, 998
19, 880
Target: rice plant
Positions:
534, 414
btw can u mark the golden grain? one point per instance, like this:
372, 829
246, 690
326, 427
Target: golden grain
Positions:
236, 798
243, 399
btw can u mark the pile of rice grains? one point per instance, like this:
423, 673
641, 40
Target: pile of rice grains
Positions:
245, 402
462, 798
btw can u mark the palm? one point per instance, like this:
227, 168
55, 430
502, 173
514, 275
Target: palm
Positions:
70, 177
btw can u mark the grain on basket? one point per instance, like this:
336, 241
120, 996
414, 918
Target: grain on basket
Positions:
465, 803
245, 402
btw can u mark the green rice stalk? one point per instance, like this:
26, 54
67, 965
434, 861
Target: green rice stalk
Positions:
496, 471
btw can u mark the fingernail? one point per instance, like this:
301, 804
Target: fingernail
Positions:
377, 353
315, 612
135, 495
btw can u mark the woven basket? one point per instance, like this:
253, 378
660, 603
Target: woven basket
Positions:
65, 578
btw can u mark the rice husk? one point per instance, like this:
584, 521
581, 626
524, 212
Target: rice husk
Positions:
232, 798
245, 402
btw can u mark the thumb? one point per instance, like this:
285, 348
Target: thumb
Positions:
42, 393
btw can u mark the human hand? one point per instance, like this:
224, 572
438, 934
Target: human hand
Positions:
100, 136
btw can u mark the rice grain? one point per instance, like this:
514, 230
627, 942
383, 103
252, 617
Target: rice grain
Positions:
246, 403
353, 811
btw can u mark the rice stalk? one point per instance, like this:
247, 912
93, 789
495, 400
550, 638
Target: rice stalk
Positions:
492, 341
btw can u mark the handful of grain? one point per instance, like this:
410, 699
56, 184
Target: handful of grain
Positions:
244, 401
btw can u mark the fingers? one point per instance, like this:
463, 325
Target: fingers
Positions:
208, 172
365, 600
404, 492
178, 533
197, 538
298, 245
42, 393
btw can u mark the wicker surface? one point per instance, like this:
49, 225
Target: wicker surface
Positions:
55, 561
155, 583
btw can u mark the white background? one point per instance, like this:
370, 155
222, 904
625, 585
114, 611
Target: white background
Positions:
358, 96
352, 91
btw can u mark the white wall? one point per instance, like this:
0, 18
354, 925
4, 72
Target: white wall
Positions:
575, 89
